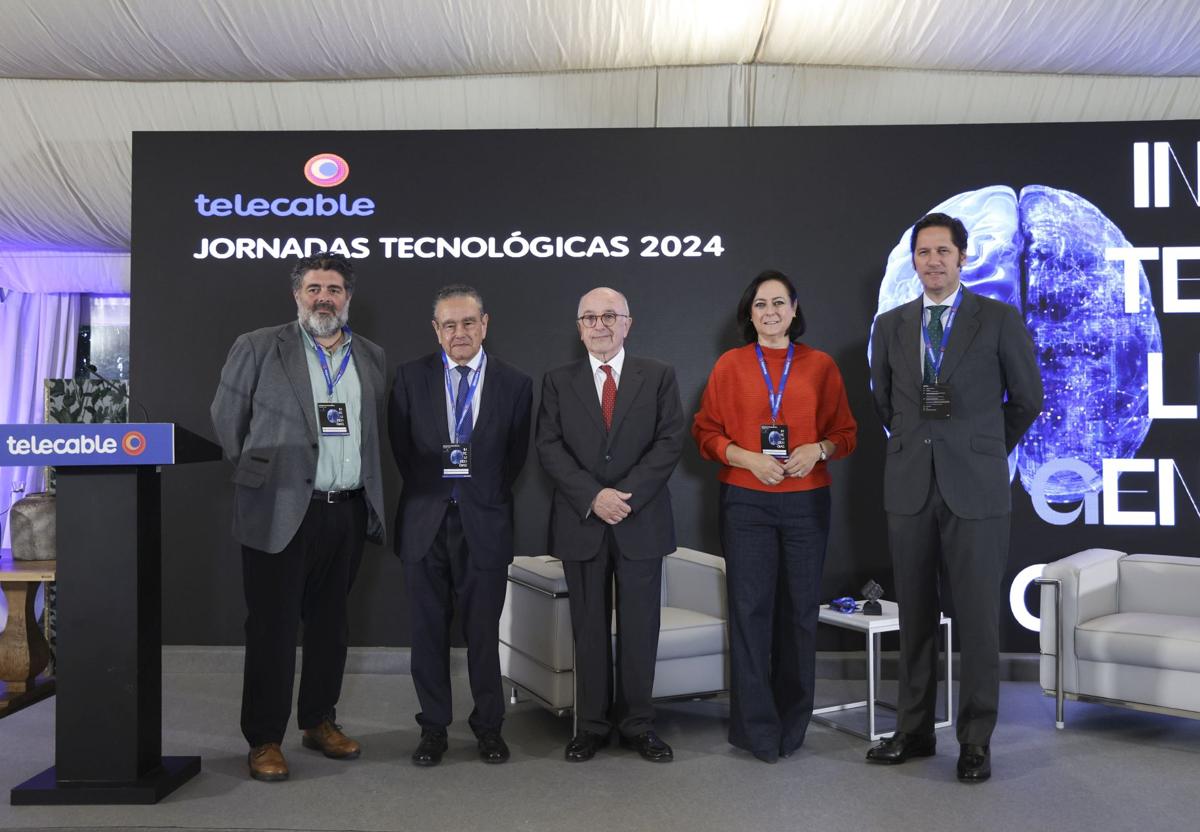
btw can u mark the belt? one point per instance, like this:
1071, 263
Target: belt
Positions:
336, 496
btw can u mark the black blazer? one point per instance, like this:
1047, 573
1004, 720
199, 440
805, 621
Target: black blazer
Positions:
499, 441
995, 395
637, 456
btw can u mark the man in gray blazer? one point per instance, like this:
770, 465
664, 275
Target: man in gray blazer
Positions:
609, 433
297, 412
956, 384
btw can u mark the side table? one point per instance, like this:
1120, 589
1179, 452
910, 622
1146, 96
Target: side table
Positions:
24, 652
873, 626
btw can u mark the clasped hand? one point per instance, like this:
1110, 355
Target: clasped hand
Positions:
611, 505
770, 471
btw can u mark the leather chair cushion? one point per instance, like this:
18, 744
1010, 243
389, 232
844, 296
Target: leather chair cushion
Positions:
685, 633
1143, 639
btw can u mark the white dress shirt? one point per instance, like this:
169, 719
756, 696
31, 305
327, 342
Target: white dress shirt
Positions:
617, 362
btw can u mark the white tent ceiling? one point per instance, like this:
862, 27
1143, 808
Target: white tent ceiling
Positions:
78, 76
290, 40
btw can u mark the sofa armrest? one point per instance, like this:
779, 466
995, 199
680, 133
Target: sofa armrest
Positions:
1089, 590
695, 581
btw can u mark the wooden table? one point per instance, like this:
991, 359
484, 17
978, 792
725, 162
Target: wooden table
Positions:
24, 653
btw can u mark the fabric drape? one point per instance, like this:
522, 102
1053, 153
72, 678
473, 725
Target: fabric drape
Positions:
37, 341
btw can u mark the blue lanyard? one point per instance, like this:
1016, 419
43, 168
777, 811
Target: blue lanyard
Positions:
466, 411
331, 381
935, 358
775, 398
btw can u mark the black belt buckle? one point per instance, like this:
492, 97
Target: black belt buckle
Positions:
331, 497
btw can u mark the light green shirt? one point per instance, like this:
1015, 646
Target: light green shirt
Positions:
339, 458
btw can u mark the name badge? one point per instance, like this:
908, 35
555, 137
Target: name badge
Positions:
935, 401
331, 419
456, 460
774, 440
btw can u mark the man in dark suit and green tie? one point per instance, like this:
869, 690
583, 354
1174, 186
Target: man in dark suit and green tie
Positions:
956, 384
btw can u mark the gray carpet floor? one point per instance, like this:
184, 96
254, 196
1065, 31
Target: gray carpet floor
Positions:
1110, 769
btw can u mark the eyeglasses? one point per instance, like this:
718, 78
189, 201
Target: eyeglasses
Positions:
608, 319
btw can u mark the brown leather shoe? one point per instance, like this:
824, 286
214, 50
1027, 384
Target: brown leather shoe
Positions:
330, 741
267, 763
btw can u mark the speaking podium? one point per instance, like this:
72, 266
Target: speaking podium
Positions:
108, 740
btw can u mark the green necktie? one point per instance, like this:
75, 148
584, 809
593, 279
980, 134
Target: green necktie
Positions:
935, 338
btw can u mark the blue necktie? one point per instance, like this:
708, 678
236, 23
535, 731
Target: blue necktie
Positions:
461, 404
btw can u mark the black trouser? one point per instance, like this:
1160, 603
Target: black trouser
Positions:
308, 581
437, 583
638, 603
774, 547
972, 554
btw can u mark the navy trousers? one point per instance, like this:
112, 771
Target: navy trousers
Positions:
774, 552
438, 583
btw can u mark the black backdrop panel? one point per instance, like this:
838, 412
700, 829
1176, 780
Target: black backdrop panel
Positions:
824, 205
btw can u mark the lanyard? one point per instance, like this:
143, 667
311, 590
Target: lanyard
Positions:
935, 358
331, 381
776, 398
466, 410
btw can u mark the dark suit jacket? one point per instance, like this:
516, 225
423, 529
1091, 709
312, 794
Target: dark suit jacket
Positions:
989, 356
636, 456
266, 421
499, 441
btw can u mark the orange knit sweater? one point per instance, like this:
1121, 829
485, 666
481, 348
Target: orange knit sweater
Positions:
735, 405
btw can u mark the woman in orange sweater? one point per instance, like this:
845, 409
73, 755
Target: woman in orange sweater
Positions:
773, 414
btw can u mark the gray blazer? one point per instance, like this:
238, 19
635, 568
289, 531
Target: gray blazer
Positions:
265, 419
989, 356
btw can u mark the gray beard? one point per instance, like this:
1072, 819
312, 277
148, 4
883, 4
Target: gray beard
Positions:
322, 326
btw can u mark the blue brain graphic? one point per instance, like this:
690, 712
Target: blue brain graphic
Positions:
1043, 253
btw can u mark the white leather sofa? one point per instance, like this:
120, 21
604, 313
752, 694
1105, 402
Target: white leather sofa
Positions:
1129, 628
537, 650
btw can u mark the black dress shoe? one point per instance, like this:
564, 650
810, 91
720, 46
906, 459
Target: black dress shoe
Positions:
431, 748
898, 748
492, 747
974, 763
584, 745
649, 746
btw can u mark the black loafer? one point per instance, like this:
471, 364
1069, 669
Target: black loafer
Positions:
492, 747
584, 745
974, 763
898, 748
649, 746
431, 748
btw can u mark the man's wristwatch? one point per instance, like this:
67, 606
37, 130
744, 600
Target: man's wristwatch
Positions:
821, 445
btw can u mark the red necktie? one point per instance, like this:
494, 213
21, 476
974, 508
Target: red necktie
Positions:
608, 395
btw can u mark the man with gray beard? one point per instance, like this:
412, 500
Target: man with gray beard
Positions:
297, 412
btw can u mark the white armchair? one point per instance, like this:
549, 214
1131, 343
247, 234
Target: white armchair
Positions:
537, 653
1125, 630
